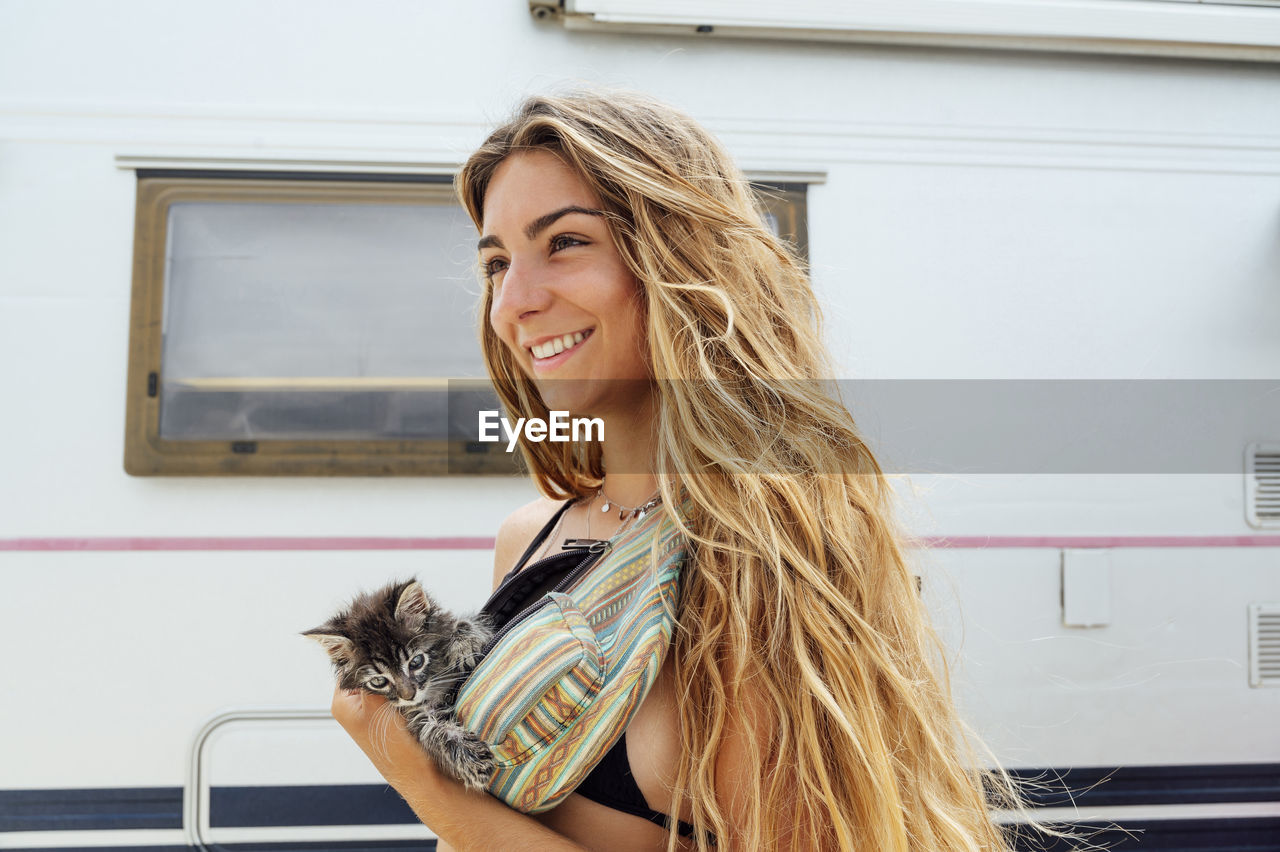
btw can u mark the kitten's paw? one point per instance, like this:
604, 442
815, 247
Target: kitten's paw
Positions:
472, 761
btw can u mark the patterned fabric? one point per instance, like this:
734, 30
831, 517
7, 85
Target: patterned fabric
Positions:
557, 691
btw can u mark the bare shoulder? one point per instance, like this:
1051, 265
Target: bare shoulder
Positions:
515, 533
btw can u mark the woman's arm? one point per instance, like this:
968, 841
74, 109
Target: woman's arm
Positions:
463, 819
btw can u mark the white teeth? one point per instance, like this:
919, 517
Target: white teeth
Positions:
557, 345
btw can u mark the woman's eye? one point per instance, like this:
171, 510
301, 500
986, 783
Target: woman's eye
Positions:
417, 662
565, 241
493, 267
378, 682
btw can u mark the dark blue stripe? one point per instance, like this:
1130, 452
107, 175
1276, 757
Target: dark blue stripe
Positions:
1096, 786
1172, 835
90, 810
1197, 835
378, 804
351, 804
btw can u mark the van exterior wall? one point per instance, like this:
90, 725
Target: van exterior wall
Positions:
984, 215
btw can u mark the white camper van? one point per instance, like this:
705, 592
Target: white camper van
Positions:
237, 331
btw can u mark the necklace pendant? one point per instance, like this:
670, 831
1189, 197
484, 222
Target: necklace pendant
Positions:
606, 507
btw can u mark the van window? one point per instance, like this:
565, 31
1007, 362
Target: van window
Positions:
314, 325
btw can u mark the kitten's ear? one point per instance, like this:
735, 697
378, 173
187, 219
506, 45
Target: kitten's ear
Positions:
337, 646
413, 601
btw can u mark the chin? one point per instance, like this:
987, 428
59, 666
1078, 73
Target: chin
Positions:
564, 395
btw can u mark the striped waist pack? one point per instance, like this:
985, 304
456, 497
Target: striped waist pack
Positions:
567, 669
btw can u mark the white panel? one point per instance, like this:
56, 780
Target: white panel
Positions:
161, 642
1086, 587
1150, 688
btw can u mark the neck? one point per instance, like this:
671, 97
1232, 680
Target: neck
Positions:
629, 456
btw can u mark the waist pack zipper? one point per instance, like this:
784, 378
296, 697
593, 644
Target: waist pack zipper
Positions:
592, 545
593, 548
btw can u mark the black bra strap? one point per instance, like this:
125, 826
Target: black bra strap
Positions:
542, 535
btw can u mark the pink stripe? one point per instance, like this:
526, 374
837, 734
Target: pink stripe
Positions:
1055, 541
964, 542
248, 543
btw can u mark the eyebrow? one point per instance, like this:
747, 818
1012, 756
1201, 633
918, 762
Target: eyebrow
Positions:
538, 225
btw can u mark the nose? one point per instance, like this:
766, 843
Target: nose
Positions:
405, 691
522, 292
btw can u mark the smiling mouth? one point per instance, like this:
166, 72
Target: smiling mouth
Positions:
560, 345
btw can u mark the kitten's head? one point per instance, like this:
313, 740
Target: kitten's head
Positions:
392, 642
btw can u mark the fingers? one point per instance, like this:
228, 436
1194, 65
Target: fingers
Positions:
364, 714
342, 704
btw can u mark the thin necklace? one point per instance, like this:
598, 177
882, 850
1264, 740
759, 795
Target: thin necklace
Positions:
634, 513
629, 511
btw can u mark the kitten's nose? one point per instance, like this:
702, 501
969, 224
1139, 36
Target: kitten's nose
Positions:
405, 691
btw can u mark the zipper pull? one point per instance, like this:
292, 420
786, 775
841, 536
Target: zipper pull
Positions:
589, 544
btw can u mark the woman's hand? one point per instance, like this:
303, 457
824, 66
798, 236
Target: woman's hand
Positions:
461, 818
383, 735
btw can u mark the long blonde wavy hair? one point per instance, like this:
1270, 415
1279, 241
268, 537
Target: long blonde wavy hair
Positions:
797, 584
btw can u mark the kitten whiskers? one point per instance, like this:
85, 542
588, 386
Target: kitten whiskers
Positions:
379, 725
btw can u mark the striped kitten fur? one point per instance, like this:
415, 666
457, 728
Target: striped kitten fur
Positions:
398, 643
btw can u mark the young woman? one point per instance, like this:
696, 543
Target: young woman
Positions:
804, 703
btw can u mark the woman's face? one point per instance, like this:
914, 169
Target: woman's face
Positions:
564, 303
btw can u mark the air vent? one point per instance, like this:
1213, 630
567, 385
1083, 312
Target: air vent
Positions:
1262, 485
1264, 644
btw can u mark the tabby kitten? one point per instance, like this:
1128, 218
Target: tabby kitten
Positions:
398, 643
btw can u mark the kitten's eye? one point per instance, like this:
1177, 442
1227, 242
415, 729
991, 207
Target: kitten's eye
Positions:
417, 662
378, 682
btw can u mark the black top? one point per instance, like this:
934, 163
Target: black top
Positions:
610, 783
